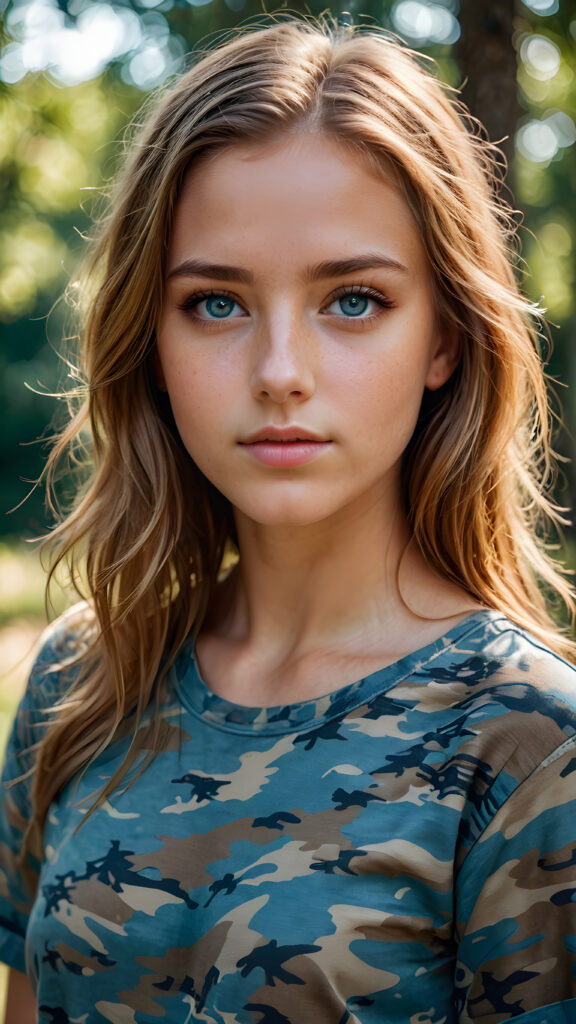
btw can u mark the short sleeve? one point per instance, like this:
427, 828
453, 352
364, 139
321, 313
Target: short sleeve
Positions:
516, 905
18, 880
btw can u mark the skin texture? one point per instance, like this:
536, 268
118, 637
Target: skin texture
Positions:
21, 1003
283, 357
258, 332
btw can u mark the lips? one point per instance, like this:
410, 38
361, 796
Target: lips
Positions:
284, 435
284, 447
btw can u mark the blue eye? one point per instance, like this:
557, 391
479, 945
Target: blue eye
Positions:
353, 304
217, 307
212, 306
358, 303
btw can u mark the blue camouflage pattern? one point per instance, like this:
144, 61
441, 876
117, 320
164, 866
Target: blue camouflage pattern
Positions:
400, 851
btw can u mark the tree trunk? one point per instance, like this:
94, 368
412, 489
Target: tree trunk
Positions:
487, 60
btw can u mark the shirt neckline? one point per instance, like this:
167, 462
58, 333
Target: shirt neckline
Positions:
302, 716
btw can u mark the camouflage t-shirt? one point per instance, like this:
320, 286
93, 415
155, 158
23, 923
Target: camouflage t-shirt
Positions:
401, 851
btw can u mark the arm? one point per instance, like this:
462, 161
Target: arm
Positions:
517, 904
18, 886
21, 1003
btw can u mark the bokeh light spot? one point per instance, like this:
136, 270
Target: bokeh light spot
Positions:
541, 57
556, 239
424, 23
543, 7
540, 140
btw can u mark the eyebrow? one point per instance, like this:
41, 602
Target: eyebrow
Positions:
364, 261
217, 271
320, 271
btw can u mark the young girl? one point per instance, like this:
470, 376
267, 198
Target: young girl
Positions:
332, 779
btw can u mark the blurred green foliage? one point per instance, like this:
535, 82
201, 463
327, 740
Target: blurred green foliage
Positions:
61, 126
546, 188
55, 145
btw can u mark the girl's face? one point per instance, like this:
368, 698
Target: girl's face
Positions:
299, 330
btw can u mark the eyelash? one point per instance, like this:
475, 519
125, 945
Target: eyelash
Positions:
190, 303
194, 300
366, 292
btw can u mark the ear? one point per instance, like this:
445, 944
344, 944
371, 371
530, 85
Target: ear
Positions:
445, 357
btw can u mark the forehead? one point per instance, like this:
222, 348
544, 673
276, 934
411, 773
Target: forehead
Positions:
295, 195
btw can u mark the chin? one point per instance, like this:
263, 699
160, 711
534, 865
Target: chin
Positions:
286, 514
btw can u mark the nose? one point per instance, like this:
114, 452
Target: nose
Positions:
283, 360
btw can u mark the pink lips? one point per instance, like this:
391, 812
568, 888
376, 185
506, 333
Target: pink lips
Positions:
284, 446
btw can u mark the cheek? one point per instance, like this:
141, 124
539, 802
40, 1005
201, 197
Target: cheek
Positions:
385, 390
200, 398
383, 404
194, 382
194, 408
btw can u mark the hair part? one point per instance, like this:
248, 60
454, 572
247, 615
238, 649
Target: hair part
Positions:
148, 533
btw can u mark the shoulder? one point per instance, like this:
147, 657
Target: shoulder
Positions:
73, 626
513, 656
488, 652
53, 673
506, 699
58, 652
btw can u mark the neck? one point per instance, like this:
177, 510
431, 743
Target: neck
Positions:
310, 609
323, 585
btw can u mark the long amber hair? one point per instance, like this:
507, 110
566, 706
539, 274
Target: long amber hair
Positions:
147, 534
